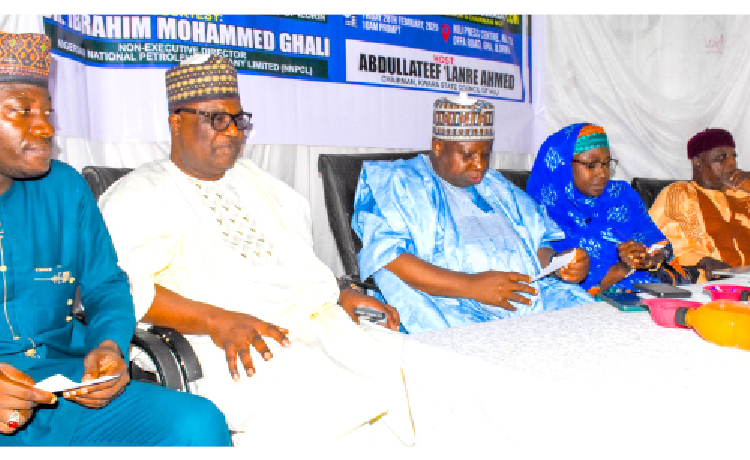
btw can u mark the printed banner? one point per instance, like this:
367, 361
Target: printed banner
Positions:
410, 68
405, 59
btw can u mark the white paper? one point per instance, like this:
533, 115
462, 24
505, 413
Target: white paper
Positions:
655, 247
556, 264
59, 382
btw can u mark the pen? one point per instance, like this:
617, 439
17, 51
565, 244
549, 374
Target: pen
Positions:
614, 236
611, 239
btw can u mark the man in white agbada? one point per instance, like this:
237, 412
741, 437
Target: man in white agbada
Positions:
222, 251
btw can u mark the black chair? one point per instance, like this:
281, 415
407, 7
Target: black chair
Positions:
519, 177
173, 360
649, 189
100, 178
340, 174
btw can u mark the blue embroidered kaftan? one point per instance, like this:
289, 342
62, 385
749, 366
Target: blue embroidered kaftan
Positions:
591, 223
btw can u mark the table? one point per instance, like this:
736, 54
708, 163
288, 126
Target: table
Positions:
593, 382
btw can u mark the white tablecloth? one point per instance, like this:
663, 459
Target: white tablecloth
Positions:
589, 381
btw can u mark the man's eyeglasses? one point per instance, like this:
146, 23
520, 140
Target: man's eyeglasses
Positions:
220, 121
591, 165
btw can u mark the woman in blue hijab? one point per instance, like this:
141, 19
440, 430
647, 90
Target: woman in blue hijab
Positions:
607, 218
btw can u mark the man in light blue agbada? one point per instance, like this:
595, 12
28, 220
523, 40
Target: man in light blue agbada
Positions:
449, 242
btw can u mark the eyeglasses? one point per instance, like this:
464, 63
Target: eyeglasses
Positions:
591, 165
220, 121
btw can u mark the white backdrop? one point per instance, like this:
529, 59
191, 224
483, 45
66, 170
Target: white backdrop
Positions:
651, 82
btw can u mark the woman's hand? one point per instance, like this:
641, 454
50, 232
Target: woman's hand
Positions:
633, 254
636, 256
615, 274
655, 258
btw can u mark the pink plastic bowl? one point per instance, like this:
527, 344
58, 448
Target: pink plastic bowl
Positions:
663, 310
726, 291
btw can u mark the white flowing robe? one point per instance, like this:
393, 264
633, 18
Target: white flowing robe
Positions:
334, 376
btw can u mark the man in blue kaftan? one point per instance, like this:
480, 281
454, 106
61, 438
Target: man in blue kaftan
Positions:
449, 242
52, 240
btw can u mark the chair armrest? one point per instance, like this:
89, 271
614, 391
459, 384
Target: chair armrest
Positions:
161, 356
354, 279
174, 358
187, 359
367, 284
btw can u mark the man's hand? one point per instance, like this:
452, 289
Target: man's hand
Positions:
498, 288
104, 360
351, 299
737, 179
709, 264
234, 333
17, 393
231, 331
577, 269
633, 254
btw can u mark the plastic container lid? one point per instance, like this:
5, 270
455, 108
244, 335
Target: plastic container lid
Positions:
726, 291
663, 311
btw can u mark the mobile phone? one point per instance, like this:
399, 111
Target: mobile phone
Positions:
370, 314
662, 290
734, 271
624, 301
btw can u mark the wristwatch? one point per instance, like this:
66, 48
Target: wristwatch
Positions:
349, 282
655, 268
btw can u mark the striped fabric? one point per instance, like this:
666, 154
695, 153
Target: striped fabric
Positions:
590, 137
